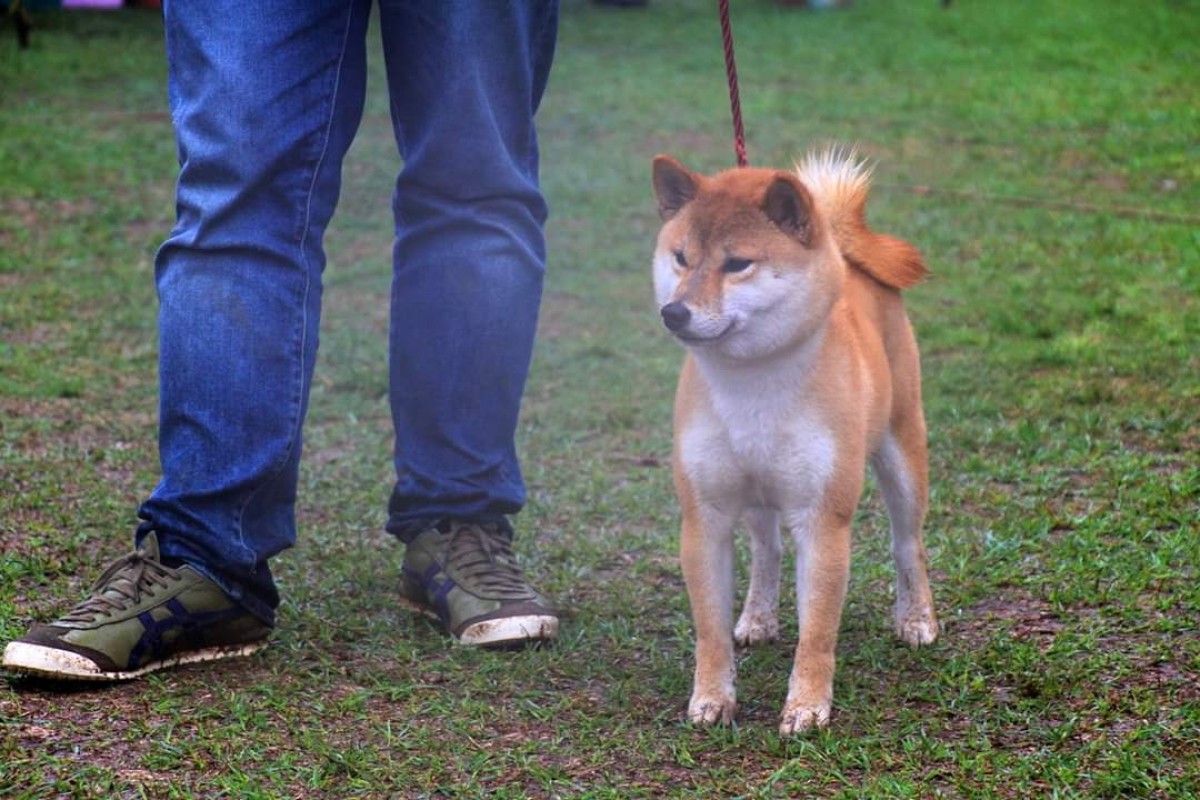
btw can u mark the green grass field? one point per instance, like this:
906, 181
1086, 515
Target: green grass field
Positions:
1045, 157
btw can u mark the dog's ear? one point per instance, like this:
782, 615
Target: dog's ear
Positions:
674, 186
789, 205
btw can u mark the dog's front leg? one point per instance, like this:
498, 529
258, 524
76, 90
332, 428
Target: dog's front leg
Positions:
822, 573
706, 555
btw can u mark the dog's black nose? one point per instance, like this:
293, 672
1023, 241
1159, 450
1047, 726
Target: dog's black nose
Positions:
675, 316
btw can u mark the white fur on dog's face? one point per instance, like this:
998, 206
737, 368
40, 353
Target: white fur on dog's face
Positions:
781, 297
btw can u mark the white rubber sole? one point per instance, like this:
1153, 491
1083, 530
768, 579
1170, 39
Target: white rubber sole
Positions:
510, 631
49, 662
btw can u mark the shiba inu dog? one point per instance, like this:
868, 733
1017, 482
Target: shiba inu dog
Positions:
801, 368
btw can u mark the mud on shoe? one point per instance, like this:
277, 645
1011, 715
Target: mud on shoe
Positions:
142, 616
466, 575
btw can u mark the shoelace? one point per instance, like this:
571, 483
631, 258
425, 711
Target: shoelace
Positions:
120, 586
482, 556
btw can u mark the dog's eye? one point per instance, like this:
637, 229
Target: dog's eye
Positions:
736, 265
680, 259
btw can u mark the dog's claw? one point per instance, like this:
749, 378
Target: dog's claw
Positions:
917, 628
708, 711
803, 718
755, 631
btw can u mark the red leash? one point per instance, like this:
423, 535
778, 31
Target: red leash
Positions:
735, 103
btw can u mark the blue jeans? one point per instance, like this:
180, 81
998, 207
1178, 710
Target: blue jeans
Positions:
266, 99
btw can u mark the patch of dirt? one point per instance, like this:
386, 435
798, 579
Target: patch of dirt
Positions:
1023, 616
1027, 618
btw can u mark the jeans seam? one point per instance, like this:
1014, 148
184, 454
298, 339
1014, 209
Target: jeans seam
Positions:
297, 400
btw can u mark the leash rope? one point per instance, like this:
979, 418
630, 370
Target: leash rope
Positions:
735, 102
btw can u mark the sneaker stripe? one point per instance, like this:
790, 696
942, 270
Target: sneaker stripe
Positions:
439, 592
154, 643
428, 594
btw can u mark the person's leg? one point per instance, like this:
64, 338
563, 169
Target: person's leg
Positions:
265, 103
465, 80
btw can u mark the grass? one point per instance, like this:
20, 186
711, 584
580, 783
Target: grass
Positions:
1044, 157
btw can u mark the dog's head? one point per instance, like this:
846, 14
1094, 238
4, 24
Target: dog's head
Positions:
745, 264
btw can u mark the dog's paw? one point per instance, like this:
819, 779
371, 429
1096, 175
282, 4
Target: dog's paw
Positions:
708, 711
917, 626
800, 717
755, 629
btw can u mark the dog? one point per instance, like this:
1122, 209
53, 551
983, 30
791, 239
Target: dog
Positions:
801, 367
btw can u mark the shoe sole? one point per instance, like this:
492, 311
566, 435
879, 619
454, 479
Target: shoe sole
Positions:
510, 631
496, 633
49, 662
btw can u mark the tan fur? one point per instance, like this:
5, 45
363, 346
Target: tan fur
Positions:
801, 369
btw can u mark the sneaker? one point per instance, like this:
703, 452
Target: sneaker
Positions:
142, 616
466, 575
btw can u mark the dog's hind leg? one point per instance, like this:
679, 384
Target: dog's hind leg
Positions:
901, 468
759, 621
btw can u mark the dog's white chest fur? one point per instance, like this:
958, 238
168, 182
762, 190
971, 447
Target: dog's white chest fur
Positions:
757, 439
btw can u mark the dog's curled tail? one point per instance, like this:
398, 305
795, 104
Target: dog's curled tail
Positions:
839, 180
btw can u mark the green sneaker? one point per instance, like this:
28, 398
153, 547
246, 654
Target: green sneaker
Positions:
142, 616
466, 575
